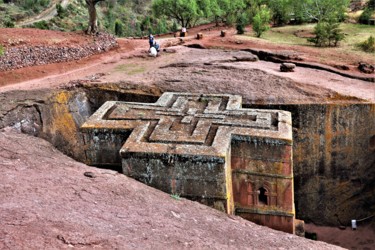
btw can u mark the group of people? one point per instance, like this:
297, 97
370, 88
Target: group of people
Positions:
155, 47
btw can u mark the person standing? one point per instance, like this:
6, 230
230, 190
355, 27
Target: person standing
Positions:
183, 32
151, 40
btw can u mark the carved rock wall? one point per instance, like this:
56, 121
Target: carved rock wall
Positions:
334, 161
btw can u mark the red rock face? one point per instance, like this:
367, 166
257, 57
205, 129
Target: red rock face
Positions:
204, 147
263, 182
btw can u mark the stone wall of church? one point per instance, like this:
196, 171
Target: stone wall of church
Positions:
334, 161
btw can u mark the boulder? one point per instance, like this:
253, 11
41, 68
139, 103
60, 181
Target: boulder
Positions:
366, 68
287, 67
247, 58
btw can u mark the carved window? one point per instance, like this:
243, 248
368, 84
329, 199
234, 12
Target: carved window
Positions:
262, 196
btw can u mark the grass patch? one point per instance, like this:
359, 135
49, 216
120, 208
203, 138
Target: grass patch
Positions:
2, 51
367, 45
129, 69
176, 197
298, 34
293, 35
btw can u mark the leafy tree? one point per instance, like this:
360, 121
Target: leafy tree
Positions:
219, 10
241, 23
184, 11
281, 11
252, 7
161, 26
146, 25
93, 21
297, 9
228, 11
328, 13
322, 10
261, 21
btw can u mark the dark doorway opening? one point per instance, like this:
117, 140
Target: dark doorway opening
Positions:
262, 196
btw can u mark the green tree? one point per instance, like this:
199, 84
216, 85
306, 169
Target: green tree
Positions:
328, 13
146, 26
261, 21
183, 11
281, 11
327, 34
233, 10
298, 15
323, 10
241, 24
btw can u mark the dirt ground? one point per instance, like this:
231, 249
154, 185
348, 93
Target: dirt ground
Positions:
361, 238
130, 63
178, 69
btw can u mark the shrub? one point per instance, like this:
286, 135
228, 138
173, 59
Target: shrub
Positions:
119, 28
366, 16
61, 12
1, 50
281, 11
9, 24
327, 34
261, 21
368, 45
43, 25
241, 23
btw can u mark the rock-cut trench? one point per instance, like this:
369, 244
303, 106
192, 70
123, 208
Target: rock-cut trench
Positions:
333, 151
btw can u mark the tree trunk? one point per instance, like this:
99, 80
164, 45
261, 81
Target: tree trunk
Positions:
93, 21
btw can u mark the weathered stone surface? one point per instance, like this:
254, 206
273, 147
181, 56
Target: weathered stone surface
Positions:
198, 146
247, 58
287, 67
48, 203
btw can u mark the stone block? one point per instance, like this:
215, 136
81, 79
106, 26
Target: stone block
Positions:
287, 67
206, 148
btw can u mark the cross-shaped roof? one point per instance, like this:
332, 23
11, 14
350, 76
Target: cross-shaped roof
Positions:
189, 124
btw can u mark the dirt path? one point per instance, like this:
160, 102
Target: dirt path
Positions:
45, 15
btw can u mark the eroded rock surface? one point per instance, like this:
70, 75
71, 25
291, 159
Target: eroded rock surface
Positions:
48, 202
